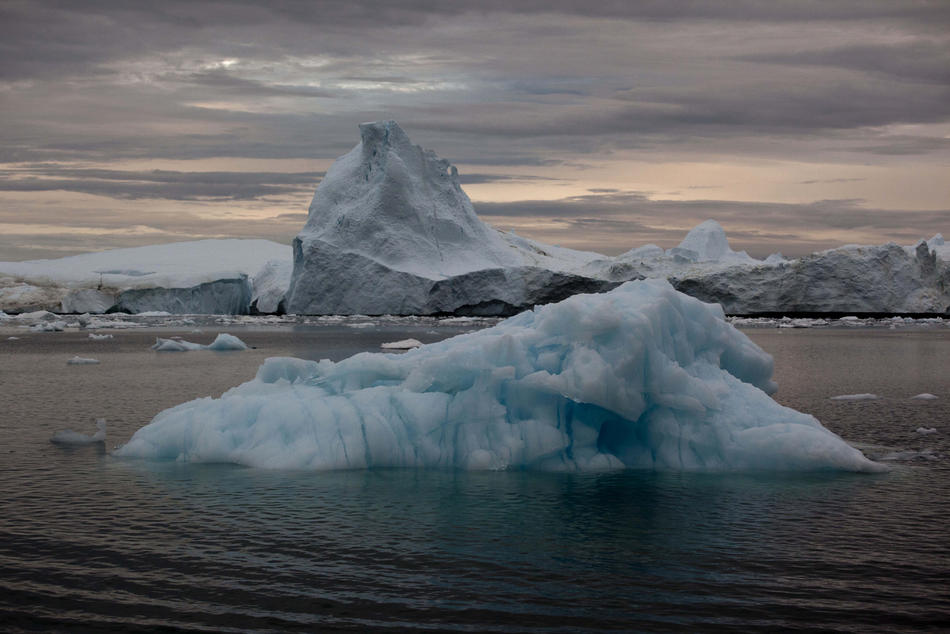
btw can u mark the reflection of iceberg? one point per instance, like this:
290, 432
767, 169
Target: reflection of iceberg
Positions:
642, 377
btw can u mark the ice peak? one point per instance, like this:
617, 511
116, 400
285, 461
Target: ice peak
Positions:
375, 134
708, 240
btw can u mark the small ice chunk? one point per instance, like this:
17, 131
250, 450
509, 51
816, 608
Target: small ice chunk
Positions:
82, 361
923, 397
848, 318
70, 437
855, 397
96, 337
926, 430
402, 344
49, 326
224, 341
12, 338
175, 345
153, 313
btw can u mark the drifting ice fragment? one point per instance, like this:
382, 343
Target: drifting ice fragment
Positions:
70, 437
924, 397
926, 430
223, 341
96, 337
640, 377
855, 397
402, 344
82, 361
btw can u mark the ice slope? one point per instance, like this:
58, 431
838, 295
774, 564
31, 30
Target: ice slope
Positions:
640, 377
391, 231
202, 276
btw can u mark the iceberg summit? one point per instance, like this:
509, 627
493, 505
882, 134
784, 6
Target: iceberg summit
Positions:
640, 377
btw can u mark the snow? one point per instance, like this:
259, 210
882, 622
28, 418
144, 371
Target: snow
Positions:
639, 377
223, 341
855, 397
82, 361
924, 397
87, 282
924, 431
402, 344
70, 437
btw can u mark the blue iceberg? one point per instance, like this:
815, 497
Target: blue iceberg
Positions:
641, 377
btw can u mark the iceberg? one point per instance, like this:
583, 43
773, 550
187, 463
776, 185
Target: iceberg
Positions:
390, 231
202, 276
222, 342
639, 377
77, 360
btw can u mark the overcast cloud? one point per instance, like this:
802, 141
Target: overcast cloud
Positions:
600, 125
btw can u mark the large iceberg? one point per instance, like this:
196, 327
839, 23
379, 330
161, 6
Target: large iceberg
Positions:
391, 231
640, 377
202, 276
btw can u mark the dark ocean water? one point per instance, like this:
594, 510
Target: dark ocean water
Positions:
91, 543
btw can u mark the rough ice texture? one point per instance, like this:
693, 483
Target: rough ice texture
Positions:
178, 272
391, 231
640, 377
870, 279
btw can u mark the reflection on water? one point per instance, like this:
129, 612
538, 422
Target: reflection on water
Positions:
90, 542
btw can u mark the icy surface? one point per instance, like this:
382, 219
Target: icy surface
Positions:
87, 282
855, 397
402, 344
640, 377
70, 437
223, 341
82, 361
391, 231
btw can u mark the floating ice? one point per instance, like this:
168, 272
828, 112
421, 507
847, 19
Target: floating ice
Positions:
926, 430
640, 377
402, 344
70, 437
855, 397
223, 341
924, 397
96, 337
82, 361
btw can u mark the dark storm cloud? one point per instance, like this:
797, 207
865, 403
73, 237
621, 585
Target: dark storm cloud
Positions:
157, 184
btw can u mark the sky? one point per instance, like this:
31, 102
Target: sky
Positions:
602, 126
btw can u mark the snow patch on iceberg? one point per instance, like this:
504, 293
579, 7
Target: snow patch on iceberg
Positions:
640, 377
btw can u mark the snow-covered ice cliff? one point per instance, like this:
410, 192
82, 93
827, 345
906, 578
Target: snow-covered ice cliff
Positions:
639, 377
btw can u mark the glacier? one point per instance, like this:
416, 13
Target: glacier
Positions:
640, 377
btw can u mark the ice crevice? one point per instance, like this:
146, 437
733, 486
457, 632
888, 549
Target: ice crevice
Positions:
640, 377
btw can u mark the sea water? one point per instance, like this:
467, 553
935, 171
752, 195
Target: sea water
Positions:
89, 542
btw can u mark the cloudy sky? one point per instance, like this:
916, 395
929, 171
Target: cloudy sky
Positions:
595, 125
